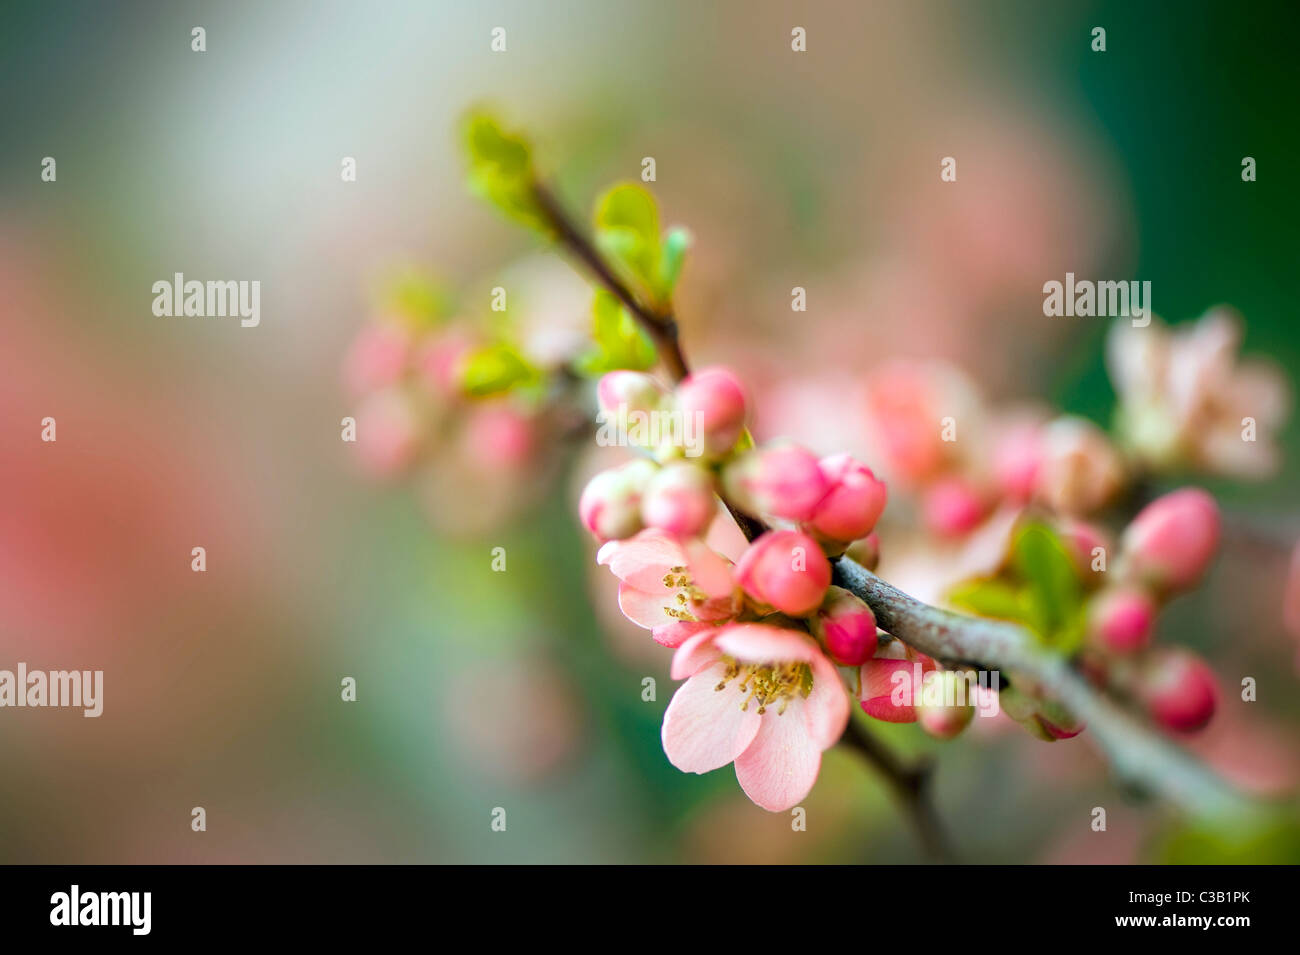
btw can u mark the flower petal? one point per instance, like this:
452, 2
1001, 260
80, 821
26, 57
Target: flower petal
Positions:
826, 710
695, 653
705, 728
645, 609
762, 643
781, 764
642, 561
673, 635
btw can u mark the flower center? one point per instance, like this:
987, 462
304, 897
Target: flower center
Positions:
687, 594
767, 683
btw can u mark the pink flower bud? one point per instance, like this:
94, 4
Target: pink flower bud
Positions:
952, 507
946, 705
376, 358
786, 570
1121, 619
847, 627
679, 500
622, 392
1017, 457
610, 506
891, 688
438, 361
1088, 544
499, 436
388, 433
782, 480
853, 504
717, 399
1179, 691
1172, 540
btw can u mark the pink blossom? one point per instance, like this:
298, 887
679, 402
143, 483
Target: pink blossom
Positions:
853, 503
847, 627
783, 480
610, 506
673, 587
1179, 691
907, 404
717, 397
952, 507
679, 499
892, 687
376, 358
763, 697
1121, 619
1081, 472
388, 432
786, 570
1172, 540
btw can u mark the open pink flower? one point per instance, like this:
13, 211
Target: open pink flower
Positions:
762, 697
674, 587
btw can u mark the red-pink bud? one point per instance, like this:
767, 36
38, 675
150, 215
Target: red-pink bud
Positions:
866, 551
1088, 544
946, 705
1120, 619
853, 504
716, 396
499, 436
376, 358
952, 507
847, 627
1172, 540
610, 506
1017, 458
438, 361
782, 480
388, 432
891, 688
679, 500
1179, 691
786, 570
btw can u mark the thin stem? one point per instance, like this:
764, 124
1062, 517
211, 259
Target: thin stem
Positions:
909, 784
660, 326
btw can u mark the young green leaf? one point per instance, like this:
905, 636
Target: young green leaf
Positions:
501, 169
627, 231
1054, 592
618, 340
990, 598
495, 369
675, 244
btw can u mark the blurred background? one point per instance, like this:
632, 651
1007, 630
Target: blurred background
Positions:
520, 690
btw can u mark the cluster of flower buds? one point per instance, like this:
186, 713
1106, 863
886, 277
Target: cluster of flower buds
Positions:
413, 409
1164, 551
757, 641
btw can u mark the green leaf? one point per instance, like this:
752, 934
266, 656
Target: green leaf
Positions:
619, 340
414, 295
627, 231
494, 369
1054, 593
990, 598
501, 169
675, 244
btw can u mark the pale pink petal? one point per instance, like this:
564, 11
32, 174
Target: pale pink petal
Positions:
705, 728
826, 710
710, 571
696, 653
760, 643
673, 635
645, 609
642, 560
781, 764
